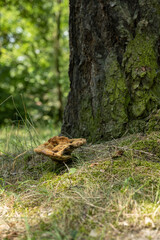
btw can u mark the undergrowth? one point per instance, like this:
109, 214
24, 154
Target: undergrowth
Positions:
106, 191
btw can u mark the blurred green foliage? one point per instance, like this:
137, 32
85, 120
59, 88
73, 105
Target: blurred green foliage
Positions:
29, 84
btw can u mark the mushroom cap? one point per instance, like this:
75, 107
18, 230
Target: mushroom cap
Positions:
59, 148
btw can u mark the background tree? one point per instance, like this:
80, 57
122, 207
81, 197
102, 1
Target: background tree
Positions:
58, 52
34, 59
114, 67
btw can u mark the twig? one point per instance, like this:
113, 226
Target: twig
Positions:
21, 154
88, 203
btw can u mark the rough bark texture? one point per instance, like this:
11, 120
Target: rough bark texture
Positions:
114, 67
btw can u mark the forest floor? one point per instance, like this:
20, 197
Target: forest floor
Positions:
109, 191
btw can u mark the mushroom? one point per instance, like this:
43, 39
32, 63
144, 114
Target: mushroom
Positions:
59, 149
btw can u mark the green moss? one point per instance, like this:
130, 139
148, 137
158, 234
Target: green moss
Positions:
154, 122
89, 122
115, 91
135, 126
151, 146
115, 98
140, 63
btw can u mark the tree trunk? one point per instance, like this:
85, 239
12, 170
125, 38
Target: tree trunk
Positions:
114, 67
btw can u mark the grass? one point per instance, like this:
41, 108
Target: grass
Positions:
109, 190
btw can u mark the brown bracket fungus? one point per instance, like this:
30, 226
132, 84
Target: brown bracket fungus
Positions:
59, 149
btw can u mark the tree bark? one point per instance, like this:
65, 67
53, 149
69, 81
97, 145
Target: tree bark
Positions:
114, 67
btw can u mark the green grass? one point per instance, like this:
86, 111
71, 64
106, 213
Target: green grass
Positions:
101, 194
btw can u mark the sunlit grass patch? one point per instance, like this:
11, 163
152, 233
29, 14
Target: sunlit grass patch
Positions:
24, 136
98, 202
